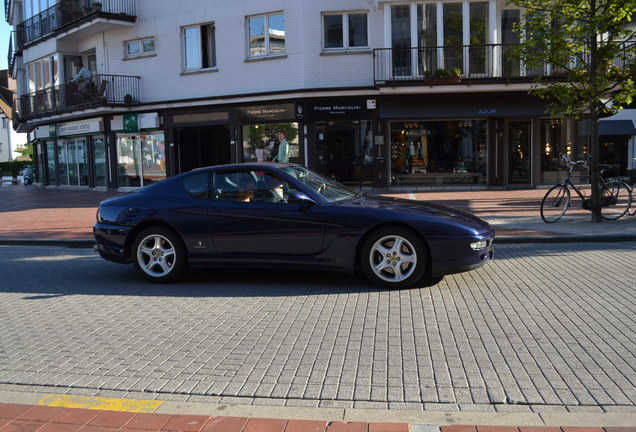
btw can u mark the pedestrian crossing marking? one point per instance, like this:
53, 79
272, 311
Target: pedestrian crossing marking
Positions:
100, 403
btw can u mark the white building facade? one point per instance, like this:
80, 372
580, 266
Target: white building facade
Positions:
374, 93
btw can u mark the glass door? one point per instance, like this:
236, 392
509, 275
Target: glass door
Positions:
345, 151
520, 160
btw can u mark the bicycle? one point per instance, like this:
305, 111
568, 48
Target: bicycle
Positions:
630, 183
615, 196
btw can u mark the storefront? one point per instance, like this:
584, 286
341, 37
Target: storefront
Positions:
72, 154
411, 141
472, 140
341, 140
140, 150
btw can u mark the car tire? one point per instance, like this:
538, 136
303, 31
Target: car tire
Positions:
394, 257
159, 255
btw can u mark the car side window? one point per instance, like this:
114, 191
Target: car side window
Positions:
234, 185
250, 187
198, 185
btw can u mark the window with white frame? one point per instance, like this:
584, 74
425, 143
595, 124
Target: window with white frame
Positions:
345, 30
140, 47
43, 73
266, 35
199, 47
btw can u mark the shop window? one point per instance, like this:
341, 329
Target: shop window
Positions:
439, 152
345, 30
141, 159
72, 156
266, 35
556, 138
261, 142
51, 171
199, 47
101, 163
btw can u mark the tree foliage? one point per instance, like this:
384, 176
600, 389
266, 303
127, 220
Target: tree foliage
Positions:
590, 43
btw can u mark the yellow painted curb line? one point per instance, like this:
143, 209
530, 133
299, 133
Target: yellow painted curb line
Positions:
100, 403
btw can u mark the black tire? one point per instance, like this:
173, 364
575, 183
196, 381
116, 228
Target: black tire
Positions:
555, 203
159, 255
616, 198
394, 257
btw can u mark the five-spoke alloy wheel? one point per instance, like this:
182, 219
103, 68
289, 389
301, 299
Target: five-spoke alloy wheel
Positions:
159, 255
394, 257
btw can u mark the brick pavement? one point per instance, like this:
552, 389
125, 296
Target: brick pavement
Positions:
71, 214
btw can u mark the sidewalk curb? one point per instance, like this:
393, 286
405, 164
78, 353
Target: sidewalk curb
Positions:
563, 238
427, 420
74, 243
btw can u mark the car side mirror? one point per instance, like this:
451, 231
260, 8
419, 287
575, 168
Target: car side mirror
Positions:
296, 197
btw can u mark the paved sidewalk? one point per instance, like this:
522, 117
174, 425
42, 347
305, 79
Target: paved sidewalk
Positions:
62, 215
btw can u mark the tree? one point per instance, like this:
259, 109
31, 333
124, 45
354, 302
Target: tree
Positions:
590, 43
26, 150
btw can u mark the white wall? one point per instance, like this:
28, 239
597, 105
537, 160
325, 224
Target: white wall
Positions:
10, 140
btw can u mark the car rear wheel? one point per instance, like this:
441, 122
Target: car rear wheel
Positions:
394, 257
159, 255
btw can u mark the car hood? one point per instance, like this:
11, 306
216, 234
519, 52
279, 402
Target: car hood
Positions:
418, 209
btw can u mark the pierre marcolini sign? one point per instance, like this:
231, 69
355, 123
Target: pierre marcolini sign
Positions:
337, 109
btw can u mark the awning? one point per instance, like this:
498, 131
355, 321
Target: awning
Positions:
616, 127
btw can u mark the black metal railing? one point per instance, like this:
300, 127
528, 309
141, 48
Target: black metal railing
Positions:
99, 91
68, 12
438, 65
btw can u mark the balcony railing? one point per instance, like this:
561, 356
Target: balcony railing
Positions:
102, 90
491, 62
69, 12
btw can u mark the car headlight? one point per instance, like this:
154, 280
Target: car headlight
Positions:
479, 245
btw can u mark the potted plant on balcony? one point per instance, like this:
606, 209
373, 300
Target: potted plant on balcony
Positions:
97, 7
128, 99
443, 76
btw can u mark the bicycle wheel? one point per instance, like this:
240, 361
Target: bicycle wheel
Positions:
555, 203
616, 197
632, 207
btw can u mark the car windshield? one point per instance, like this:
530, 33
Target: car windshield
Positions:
329, 190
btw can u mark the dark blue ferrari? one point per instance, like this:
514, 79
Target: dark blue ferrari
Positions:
285, 215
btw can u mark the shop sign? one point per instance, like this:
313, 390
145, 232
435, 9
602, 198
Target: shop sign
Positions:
338, 110
131, 123
82, 127
300, 112
267, 113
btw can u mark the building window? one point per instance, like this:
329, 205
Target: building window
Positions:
140, 47
266, 35
345, 30
199, 47
43, 73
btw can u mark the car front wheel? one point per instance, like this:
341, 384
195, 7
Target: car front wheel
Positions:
394, 258
159, 255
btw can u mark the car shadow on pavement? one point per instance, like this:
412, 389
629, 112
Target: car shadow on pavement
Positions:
106, 279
